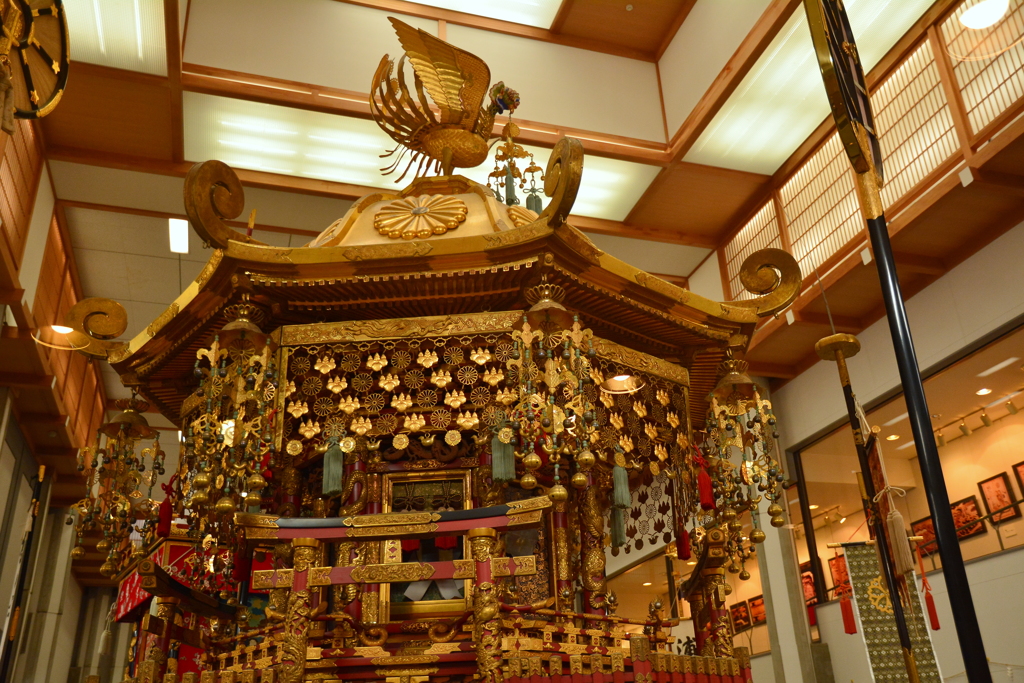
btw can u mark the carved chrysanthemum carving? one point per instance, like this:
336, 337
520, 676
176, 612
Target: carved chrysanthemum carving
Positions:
420, 217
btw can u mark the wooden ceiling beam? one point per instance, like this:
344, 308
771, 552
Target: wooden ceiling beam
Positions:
270, 181
163, 214
915, 263
173, 40
24, 380
563, 13
772, 370
842, 323
506, 27
1003, 182
602, 226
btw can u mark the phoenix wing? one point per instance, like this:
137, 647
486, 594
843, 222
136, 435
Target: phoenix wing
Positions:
455, 79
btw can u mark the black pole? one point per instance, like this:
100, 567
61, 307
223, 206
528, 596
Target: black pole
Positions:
953, 571
26, 555
876, 521
812, 544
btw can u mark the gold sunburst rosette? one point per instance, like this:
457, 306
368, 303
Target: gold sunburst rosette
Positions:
420, 217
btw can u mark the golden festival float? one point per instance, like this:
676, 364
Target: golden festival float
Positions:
408, 445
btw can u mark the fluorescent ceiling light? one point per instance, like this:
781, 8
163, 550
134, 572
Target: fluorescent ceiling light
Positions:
539, 13
178, 230
275, 139
998, 366
782, 100
898, 418
123, 34
908, 444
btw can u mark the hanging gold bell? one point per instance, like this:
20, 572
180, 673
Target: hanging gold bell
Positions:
735, 389
558, 493
225, 506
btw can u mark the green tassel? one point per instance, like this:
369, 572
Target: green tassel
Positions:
533, 203
503, 460
334, 468
618, 528
620, 488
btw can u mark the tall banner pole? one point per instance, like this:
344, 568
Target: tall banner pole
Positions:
838, 348
843, 75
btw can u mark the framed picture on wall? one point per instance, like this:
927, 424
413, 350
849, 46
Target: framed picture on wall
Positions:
964, 512
757, 613
840, 575
1018, 471
740, 613
807, 579
926, 530
997, 494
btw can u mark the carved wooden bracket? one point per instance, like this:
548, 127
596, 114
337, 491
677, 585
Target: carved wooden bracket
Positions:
774, 275
214, 194
562, 180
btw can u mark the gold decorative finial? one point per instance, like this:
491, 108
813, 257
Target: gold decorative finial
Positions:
456, 82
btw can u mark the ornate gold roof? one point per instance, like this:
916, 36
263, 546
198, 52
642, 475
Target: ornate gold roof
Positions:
485, 267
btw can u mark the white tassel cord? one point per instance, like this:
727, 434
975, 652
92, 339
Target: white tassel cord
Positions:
903, 557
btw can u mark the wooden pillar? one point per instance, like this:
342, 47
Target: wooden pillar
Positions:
720, 627
592, 560
564, 596
292, 668
485, 606
700, 633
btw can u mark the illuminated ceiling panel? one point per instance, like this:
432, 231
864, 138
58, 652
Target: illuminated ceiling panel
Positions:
123, 34
538, 13
782, 100
296, 142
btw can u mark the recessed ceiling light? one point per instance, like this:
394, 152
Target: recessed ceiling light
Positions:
842, 520
893, 421
691, 562
646, 583
892, 437
812, 507
998, 366
984, 14
984, 391
61, 329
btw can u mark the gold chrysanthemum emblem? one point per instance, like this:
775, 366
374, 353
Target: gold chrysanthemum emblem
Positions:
420, 217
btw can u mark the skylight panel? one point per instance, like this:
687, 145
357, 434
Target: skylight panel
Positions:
276, 139
123, 34
539, 13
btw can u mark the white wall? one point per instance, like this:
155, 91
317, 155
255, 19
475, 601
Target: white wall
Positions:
996, 583
707, 280
969, 460
963, 305
322, 42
